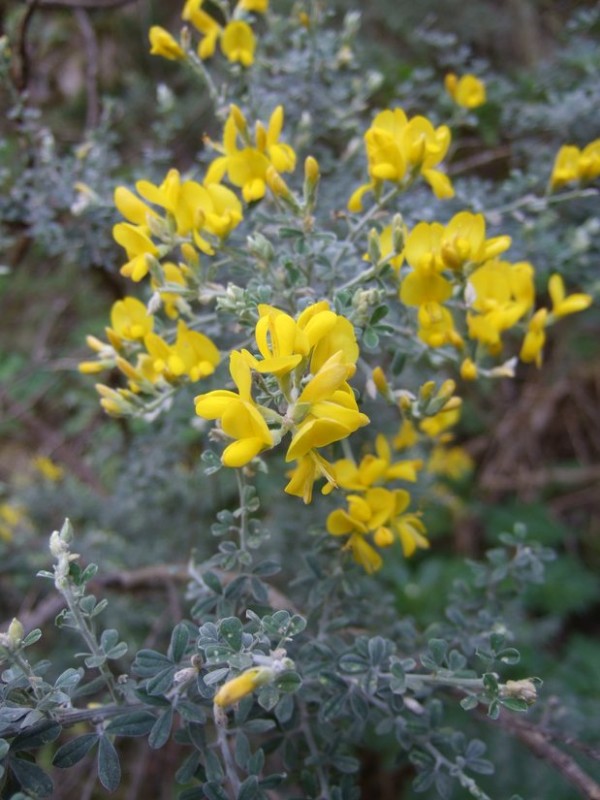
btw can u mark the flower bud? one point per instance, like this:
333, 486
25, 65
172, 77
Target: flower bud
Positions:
468, 370
15, 633
235, 689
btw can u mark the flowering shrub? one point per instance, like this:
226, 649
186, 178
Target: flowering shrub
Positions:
319, 343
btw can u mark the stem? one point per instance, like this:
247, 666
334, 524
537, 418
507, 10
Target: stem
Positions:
468, 684
243, 528
89, 638
540, 203
68, 717
230, 768
456, 772
372, 211
324, 791
26, 669
200, 69
362, 222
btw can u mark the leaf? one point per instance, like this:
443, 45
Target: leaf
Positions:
179, 642
37, 736
161, 730
378, 650
187, 770
256, 762
109, 639
118, 651
249, 790
109, 768
230, 629
74, 750
148, 662
137, 723
469, 702
259, 725
288, 681
32, 637
242, 750
352, 663
265, 569
212, 766
437, 650
509, 656
32, 778
68, 680
161, 682
514, 703
214, 791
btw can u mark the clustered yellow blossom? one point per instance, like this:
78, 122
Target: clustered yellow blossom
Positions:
236, 37
468, 91
163, 218
305, 363
375, 515
248, 166
151, 364
574, 165
400, 149
466, 296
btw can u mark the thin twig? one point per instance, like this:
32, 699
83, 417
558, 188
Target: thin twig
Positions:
21, 77
537, 741
92, 114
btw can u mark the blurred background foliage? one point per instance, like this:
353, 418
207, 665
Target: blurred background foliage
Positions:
85, 107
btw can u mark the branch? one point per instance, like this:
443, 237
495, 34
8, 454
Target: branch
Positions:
537, 741
92, 113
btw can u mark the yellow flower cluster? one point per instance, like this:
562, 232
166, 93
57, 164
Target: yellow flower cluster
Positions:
236, 37
572, 164
453, 276
304, 365
374, 511
259, 159
399, 149
151, 364
189, 213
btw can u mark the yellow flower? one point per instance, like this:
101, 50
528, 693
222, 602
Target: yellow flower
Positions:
11, 517
258, 6
535, 338
588, 166
375, 468
466, 91
238, 42
138, 246
235, 689
130, 319
310, 468
572, 164
409, 528
205, 25
163, 44
436, 326
193, 354
561, 305
327, 410
366, 514
247, 167
398, 149
171, 300
240, 417
503, 294
48, 468
453, 462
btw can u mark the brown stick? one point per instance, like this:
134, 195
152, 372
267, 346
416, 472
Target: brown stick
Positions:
537, 741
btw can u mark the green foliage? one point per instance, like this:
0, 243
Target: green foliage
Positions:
284, 669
